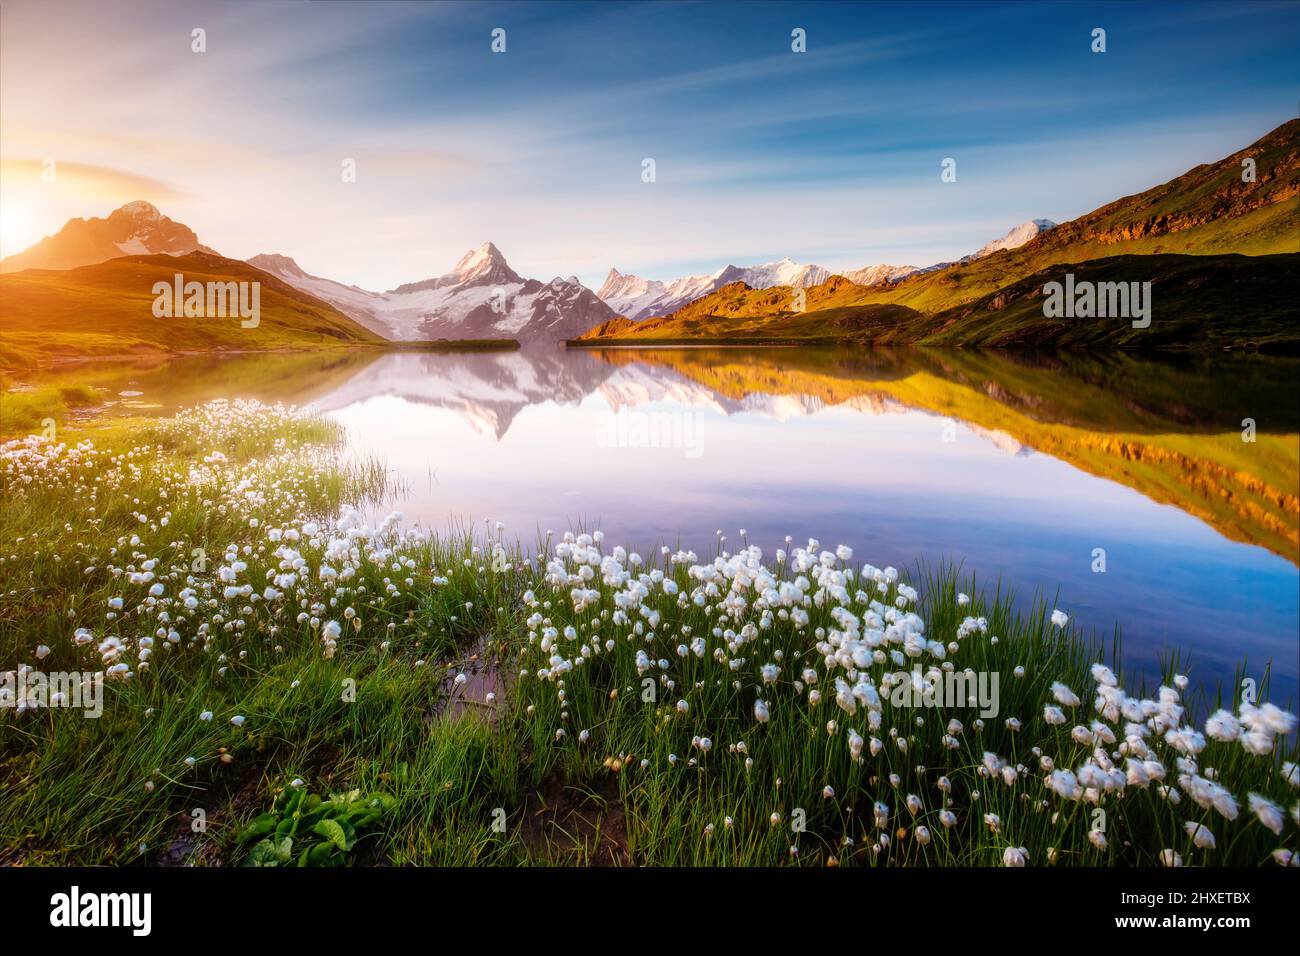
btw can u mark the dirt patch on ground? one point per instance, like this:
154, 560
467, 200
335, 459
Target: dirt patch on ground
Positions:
188, 845
564, 823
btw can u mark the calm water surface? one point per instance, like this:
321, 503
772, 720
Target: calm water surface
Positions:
1020, 467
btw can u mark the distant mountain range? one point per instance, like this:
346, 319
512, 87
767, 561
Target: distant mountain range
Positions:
1191, 232
481, 297
635, 298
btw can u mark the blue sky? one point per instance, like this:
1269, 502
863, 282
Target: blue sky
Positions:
830, 156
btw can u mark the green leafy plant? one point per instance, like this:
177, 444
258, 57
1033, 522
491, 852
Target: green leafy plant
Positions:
303, 829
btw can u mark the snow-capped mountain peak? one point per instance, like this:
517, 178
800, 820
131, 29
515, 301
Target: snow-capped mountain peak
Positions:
138, 210
617, 285
485, 264
1016, 238
136, 229
481, 297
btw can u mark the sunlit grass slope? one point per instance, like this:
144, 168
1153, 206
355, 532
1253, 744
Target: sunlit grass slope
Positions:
107, 310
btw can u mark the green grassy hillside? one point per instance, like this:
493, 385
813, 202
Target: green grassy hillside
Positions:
1207, 302
107, 310
1197, 302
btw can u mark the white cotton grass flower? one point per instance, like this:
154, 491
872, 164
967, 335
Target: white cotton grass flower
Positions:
1201, 835
1205, 793
1257, 742
1222, 725
1268, 718
855, 744
1104, 675
1064, 695
1015, 856
1267, 812
1170, 858
923, 835
237, 720
1185, 740
760, 712
1060, 618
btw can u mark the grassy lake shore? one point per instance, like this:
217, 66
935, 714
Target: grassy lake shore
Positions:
566, 702
56, 392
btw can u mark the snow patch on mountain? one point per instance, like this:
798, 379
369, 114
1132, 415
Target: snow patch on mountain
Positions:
1014, 239
879, 275
637, 298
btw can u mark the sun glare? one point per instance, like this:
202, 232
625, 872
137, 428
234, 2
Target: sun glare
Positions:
17, 226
